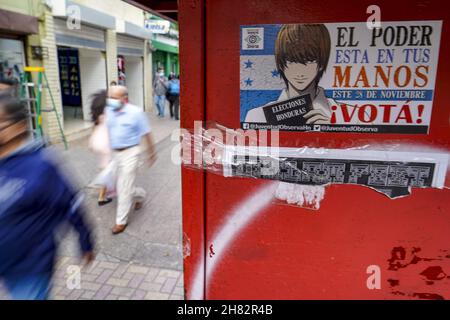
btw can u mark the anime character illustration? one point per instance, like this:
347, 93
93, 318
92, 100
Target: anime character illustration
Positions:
301, 55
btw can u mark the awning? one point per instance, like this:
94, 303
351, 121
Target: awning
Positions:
17, 23
164, 47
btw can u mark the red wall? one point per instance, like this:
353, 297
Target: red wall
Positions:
292, 253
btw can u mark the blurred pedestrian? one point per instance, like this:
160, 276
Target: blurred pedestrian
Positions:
127, 125
173, 95
9, 85
35, 198
159, 91
99, 143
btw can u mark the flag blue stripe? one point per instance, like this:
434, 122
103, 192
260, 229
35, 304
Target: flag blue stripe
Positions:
256, 98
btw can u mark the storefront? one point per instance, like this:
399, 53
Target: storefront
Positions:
13, 29
164, 44
130, 67
12, 58
82, 66
166, 55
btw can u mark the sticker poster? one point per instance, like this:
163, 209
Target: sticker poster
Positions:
339, 77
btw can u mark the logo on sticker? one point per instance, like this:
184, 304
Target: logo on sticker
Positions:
253, 38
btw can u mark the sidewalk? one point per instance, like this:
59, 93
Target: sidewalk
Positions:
144, 262
107, 280
162, 128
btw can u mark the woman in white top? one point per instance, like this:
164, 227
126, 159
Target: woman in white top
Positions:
99, 143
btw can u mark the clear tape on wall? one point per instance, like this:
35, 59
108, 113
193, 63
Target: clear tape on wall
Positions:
392, 168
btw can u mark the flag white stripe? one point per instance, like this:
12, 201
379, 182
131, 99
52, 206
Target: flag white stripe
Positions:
259, 73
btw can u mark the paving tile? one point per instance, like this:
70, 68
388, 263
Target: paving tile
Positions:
75, 294
138, 269
156, 296
88, 277
116, 282
152, 274
88, 295
180, 282
149, 286
86, 285
136, 281
96, 271
139, 295
104, 276
119, 272
160, 280
169, 285
103, 292
124, 292
178, 291
108, 265
169, 273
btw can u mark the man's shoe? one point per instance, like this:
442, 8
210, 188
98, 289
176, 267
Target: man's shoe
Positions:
103, 202
138, 205
119, 228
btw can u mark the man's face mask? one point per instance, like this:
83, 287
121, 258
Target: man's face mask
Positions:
114, 103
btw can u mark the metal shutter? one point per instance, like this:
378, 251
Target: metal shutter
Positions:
134, 70
92, 75
85, 37
130, 46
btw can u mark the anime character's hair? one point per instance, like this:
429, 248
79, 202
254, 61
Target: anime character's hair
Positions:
302, 43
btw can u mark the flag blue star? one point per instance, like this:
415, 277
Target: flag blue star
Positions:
275, 73
248, 82
248, 64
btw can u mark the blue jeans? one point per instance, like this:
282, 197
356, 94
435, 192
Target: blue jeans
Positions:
160, 102
32, 287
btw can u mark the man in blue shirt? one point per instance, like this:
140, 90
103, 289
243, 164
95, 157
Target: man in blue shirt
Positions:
35, 198
127, 126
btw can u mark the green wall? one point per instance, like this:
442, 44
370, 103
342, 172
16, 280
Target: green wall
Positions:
169, 61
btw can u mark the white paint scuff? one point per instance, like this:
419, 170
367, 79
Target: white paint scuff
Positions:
240, 216
300, 195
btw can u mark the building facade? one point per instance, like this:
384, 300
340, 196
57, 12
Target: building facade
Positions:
87, 45
164, 44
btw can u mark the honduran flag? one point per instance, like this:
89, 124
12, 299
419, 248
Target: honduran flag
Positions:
260, 82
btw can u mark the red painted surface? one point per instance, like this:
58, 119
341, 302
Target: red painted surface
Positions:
192, 101
293, 253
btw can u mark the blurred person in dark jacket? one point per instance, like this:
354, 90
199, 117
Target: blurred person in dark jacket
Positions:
173, 95
159, 91
9, 85
35, 198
